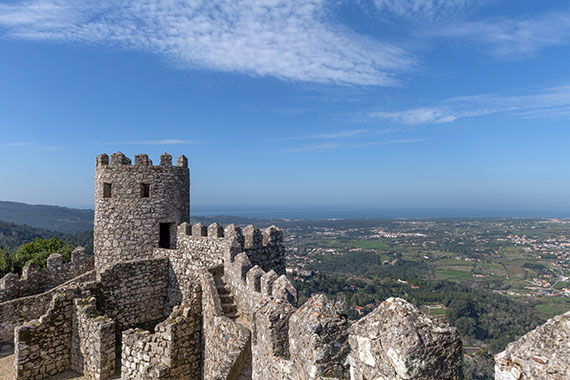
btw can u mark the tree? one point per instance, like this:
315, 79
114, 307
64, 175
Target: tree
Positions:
5, 262
38, 252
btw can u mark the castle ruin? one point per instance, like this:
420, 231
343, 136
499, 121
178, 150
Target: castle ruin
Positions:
163, 299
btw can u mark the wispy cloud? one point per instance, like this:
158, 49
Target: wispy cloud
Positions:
33, 146
511, 38
157, 142
285, 39
429, 10
324, 136
326, 146
549, 102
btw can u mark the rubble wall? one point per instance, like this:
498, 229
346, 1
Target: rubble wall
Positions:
173, 351
35, 281
397, 341
43, 346
224, 341
132, 293
198, 248
93, 341
15, 312
543, 353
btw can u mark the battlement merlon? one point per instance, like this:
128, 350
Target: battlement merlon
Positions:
118, 159
250, 238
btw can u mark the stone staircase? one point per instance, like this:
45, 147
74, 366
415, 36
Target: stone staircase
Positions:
229, 306
230, 310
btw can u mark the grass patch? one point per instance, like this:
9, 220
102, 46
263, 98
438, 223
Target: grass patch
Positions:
369, 244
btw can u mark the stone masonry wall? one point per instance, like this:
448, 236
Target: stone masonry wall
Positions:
93, 342
134, 292
127, 224
34, 280
43, 346
198, 248
542, 354
396, 341
15, 312
224, 341
249, 283
172, 352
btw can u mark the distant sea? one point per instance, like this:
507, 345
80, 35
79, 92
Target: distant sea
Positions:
359, 213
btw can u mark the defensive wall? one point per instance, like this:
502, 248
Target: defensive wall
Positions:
34, 280
152, 308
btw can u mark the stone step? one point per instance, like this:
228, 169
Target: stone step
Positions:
232, 314
223, 290
229, 307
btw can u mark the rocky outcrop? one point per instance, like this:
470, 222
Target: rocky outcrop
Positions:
543, 353
398, 342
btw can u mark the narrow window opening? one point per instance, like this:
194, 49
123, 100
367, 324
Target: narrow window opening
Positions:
106, 190
164, 241
145, 190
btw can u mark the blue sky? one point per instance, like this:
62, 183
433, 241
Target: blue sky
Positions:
291, 105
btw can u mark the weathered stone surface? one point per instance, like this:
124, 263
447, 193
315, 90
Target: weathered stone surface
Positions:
397, 341
17, 311
543, 353
93, 340
35, 281
318, 339
127, 223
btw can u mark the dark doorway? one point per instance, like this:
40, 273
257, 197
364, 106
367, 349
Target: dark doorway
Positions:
164, 241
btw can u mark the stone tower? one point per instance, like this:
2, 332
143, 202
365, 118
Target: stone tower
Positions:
138, 207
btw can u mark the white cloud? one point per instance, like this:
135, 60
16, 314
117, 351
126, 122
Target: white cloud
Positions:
428, 10
324, 136
512, 38
326, 146
285, 39
158, 142
548, 102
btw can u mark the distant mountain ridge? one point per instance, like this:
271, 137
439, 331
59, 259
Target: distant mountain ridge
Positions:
54, 218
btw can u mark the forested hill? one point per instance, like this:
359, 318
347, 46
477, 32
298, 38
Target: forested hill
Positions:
54, 218
12, 236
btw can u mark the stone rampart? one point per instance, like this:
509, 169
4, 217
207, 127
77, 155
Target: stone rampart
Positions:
132, 293
43, 346
225, 341
198, 248
15, 312
249, 283
93, 342
34, 280
396, 341
543, 353
173, 351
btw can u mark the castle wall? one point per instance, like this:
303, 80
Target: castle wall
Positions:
196, 250
34, 280
249, 283
15, 312
43, 346
127, 224
133, 293
93, 341
397, 341
542, 354
172, 352
225, 342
